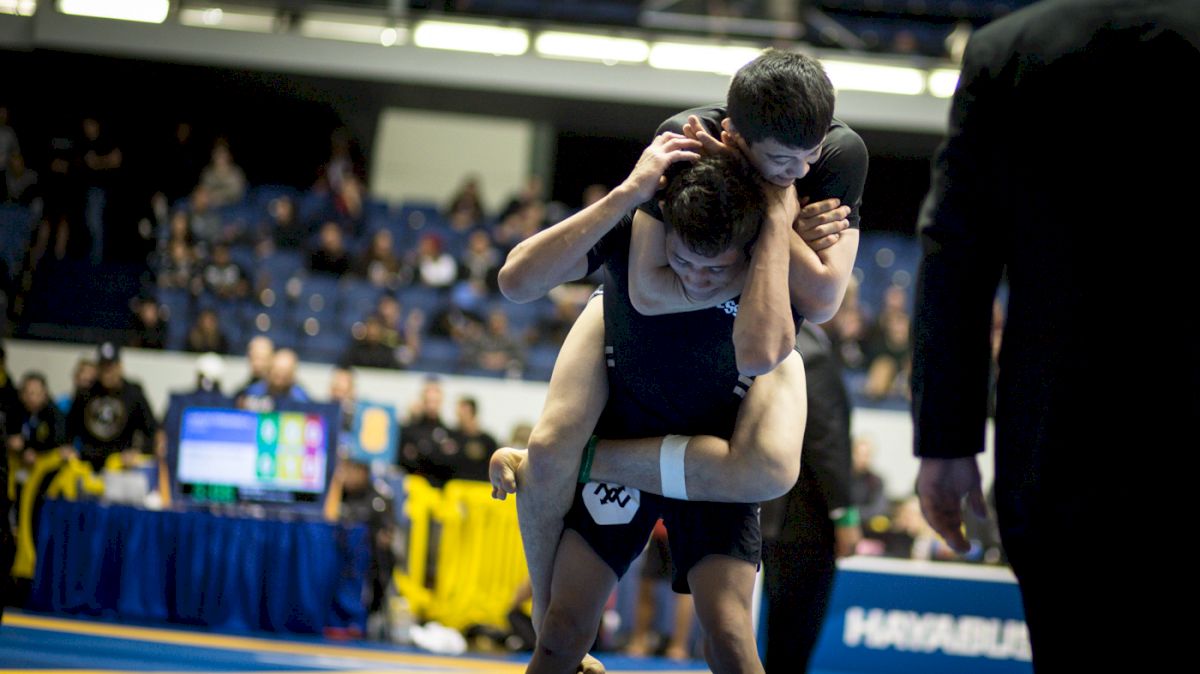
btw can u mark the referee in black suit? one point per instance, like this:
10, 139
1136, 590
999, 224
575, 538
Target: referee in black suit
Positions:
1069, 168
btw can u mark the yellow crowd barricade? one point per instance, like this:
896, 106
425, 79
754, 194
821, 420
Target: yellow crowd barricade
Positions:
479, 562
67, 477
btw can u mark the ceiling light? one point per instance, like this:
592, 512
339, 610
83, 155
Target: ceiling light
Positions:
348, 29
145, 11
943, 82
471, 37
228, 18
701, 57
18, 7
847, 75
590, 47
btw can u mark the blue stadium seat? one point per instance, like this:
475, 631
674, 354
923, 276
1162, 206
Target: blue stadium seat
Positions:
16, 228
429, 300
356, 299
539, 362
325, 347
262, 195
438, 355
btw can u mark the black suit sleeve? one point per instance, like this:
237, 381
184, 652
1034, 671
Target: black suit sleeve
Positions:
960, 270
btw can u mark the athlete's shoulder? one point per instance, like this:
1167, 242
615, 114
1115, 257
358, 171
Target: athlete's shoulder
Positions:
842, 138
710, 116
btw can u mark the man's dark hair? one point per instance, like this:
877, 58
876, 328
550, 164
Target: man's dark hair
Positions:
35, 376
781, 95
469, 402
714, 204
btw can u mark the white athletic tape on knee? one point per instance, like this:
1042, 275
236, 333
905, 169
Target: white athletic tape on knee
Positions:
671, 466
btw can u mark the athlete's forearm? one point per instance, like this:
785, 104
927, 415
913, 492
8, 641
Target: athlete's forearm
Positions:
764, 332
817, 280
559, 254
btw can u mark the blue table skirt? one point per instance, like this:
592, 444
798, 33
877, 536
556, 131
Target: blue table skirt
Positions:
226, 573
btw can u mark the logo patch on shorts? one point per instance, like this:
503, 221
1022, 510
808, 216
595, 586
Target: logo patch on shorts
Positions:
611, 504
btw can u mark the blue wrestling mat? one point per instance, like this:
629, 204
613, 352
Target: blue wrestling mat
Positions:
36, 643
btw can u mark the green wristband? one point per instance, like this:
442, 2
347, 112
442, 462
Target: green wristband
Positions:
848, 518
585, 468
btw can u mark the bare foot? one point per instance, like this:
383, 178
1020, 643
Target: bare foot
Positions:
677, 652
502, 471
590, 665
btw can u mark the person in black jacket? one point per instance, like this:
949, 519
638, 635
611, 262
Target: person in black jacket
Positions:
1067, 112
113, 415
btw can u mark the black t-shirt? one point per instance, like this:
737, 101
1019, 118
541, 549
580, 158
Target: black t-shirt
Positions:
670, 374
840, 172
111, 421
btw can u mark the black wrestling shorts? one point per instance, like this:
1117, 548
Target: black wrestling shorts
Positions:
616, 521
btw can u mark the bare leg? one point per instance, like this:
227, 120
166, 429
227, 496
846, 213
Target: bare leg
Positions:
685, 610
582, 584
574, 401
723, 590
761, 462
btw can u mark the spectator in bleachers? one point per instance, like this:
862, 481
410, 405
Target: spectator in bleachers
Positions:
37, 426
223, 277
62, 211
280, 385
205, 335
9, 146
259, 352
342, 392
112, 416
475, 446
593, 193
434, 267
553, 328
481, 261
867, 490
282, 228
179, 268
344, 160
402, 335
466, 207
531, 192
527, 220
495, 348
365, 500
369, 349
204, 224
149, 329
889, 352
330, 257
179, 164
22, 183
9, 399
379, 264
425, 440
348, 207
519, 435
848, 331
224, 180
82, 378
101, 165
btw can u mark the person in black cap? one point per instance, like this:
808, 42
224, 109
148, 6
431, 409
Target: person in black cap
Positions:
113, 415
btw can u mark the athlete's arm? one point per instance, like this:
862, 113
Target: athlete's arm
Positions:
817, 279
760, 462
559, 254
764, 332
